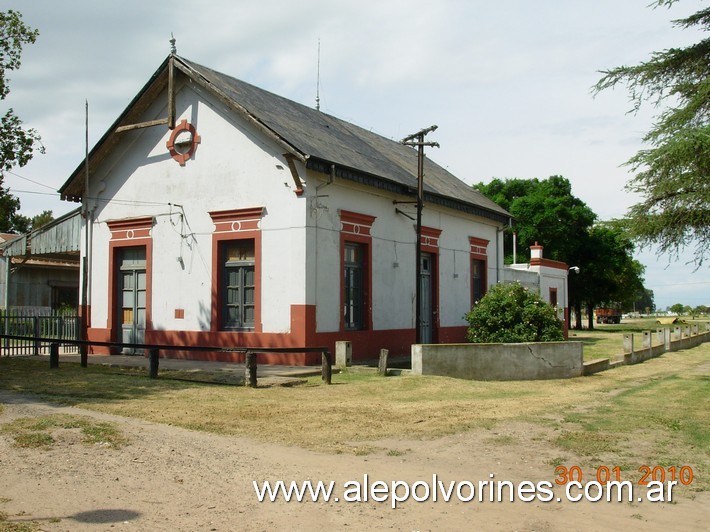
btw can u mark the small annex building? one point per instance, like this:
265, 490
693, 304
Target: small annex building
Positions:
546, 277
39, 270
222, 214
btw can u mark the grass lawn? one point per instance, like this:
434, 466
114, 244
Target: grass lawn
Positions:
655, 413
607, 341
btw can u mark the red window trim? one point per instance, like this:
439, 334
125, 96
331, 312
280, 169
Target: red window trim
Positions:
430, 244
356, 228
478, 251
430, 239
131, 228
235, 224
355, 223
132, 232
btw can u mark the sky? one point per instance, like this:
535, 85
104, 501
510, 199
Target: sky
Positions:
508, 83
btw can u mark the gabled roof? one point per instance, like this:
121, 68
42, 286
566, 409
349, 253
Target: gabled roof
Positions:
316, 138
58, 239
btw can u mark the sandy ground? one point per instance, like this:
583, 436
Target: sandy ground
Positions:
169, 478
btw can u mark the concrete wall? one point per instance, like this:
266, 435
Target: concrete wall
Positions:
521, 273
651, 344
528, 361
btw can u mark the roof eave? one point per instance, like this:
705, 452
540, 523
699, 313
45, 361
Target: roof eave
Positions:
73, 188
379, 182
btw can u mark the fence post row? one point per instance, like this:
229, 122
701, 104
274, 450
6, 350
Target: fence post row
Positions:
250, 376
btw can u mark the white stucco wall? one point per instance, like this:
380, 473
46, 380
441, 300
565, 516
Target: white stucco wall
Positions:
393, 253
233, 167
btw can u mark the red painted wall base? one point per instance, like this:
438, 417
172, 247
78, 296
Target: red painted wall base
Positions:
366, 345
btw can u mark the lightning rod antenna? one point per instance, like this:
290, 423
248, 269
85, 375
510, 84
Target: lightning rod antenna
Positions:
318, 80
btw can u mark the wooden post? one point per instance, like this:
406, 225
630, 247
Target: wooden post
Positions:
250, 370
53, 355
84, 355
154, 362
327, 368
35, 330
382, 366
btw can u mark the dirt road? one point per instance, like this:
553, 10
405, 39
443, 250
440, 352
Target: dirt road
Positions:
169, 478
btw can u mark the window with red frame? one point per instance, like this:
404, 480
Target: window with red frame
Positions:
238, 286
354, 285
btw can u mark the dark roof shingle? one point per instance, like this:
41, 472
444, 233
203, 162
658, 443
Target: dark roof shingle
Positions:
317, 134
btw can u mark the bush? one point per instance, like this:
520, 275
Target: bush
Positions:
510, 313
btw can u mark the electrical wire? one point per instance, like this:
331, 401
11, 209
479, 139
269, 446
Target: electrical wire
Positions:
28, 179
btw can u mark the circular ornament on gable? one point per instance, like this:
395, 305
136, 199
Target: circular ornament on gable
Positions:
183, 142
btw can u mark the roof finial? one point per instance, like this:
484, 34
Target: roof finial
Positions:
173, 48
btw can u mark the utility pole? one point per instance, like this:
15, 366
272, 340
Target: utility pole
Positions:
84, 348
417, 139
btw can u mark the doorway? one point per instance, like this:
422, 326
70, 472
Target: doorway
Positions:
426, 306
132, 296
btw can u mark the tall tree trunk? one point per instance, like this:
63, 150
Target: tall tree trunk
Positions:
578, 316
590, 316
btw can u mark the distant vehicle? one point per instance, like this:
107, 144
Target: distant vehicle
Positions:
608, 315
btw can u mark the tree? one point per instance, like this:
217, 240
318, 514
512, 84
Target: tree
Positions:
545, 211
10, 220
673, 174
17, 144
510, 313
643, 303
611, 277
24, 224
41, 219
678, 309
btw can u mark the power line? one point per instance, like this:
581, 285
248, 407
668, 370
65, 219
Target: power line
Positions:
30, 180
14, 191
681, 284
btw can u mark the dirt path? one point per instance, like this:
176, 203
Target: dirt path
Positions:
169, 478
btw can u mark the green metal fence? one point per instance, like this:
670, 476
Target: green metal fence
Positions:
55, 326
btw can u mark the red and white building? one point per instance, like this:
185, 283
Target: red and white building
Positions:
221, 214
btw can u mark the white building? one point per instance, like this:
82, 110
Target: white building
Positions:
547, 277
257, 221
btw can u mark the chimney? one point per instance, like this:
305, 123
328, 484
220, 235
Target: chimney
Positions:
535, 252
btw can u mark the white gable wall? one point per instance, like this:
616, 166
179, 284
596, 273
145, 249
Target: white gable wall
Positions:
233, 167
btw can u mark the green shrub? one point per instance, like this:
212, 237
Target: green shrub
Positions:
510, 313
